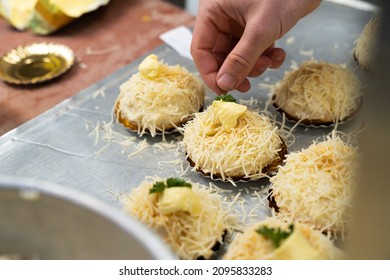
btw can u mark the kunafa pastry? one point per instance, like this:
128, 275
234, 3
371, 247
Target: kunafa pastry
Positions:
275, 239
315, 186
159, 98
231, 142
190, 217
318, 93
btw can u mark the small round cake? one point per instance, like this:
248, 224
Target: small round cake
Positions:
191, 218
159, 98
318, 93
230, 142
315, 186
274, 239
365, 45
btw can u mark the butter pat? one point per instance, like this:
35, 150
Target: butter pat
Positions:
296, 247
179, 199
150, 67
228, 113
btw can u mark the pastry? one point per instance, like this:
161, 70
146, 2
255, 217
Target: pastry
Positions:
318, 93
159, 98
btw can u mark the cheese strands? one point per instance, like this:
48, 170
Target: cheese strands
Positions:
192, 220
318, 93
159, 97
365, 45
241, 146
315, 186
302, 243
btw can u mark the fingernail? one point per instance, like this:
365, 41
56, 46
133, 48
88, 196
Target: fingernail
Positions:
227, 82
278, 57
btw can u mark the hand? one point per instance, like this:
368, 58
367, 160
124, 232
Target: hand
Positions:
234, 40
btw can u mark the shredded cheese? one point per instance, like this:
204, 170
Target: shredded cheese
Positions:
306, 52
290, 40
315, 185
365, 44
318, 92
251, 245
242, 152
191, 236
159, 97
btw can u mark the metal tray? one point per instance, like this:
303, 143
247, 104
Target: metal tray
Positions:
62, 146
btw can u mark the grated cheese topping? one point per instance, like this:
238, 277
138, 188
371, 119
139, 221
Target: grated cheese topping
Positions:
159, 97
241, 152
251, 245
190, 235
365, 44
318, 92
315, 185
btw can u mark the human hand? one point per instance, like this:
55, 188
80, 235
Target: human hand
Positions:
234, 40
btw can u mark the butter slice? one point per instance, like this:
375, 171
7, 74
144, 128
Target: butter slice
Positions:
179, 199
228, 113
150, 67
296, 247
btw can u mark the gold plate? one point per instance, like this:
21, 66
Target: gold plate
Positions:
35, 63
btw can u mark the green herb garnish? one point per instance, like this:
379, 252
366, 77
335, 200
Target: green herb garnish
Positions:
275, 235
177, 182
157, 187
170, 182
226, 98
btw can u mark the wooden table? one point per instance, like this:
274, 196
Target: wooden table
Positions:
103, 41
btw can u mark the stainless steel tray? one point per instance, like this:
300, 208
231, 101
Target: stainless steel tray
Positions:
62, 146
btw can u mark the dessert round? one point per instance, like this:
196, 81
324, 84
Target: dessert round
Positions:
230, 142
159, 98
318, 93
190, 217
275, 239
315, 186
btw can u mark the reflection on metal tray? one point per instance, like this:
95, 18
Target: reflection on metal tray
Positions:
69, 144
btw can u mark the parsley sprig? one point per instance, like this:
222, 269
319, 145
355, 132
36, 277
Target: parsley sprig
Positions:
170, 182
275, 235
226, 98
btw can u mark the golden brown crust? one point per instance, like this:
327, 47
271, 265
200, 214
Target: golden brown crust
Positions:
268, 170
314, 122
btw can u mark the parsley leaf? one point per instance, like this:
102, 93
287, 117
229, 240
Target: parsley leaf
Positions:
226, 98
275, 235
157, 187
177, 182
170, 182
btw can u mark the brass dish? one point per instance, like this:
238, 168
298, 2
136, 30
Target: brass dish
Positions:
35, 63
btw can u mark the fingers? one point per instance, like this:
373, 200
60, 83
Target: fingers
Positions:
244, 86
277, 56
225, 64
206, 60
242, 59
261, 65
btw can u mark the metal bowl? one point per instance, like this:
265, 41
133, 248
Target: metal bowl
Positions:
40, 220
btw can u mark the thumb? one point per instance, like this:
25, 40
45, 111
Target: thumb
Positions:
241, 60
